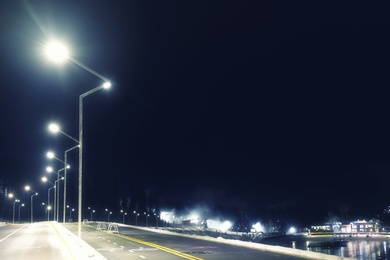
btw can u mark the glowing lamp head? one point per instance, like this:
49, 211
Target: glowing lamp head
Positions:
49, 169
54, 128
44, 179
27, 187
11, 195
56, 52
107, 85
50, 155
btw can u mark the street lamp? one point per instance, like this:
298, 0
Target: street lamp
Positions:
28, 188
22, 205
48, 202
70, 213
136, 216
13, 213
108, 215
156, 219
57, 52
124, 214
92, 211
44, 179
146, 217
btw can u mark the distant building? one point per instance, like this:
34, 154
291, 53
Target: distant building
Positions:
325, 229
358, 226
361, 226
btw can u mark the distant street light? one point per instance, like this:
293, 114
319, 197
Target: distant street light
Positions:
22, 205
136, 216
92, 211
156, 219
48, 212
108, 215
58, 52
70, 213
28, 188
44, 179
146, 217
124, 214
13, 213
48, 202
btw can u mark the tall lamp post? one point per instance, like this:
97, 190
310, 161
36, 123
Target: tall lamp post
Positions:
44, 179
136, 216
13, 213
21, 205
58, 53
108, 215
55, 128
28, 188
105, 85
92, 211
124, 214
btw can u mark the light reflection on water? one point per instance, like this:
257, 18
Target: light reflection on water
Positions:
358, 247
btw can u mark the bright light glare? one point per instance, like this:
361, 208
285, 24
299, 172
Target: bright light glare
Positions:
56, 52
107, 85
258, 227
216, 224
44, 179
292, 230
50, 155
11, 195
54, 128
27, 187
49, 169
225, 226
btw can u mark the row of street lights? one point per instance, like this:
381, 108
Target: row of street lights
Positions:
58, 53
11, 196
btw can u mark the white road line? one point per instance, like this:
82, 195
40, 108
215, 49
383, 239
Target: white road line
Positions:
11, 234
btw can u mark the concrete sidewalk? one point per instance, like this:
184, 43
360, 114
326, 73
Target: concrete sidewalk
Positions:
77, 247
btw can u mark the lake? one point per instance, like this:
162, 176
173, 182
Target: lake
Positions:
357, 246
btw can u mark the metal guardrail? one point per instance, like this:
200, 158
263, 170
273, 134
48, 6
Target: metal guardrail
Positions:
110, 227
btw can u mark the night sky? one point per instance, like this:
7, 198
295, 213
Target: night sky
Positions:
256, 105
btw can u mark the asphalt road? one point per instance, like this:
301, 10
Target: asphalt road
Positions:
31, 241
49, 240
133, 243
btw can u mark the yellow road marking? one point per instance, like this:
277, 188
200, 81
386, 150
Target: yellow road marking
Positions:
162, 248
